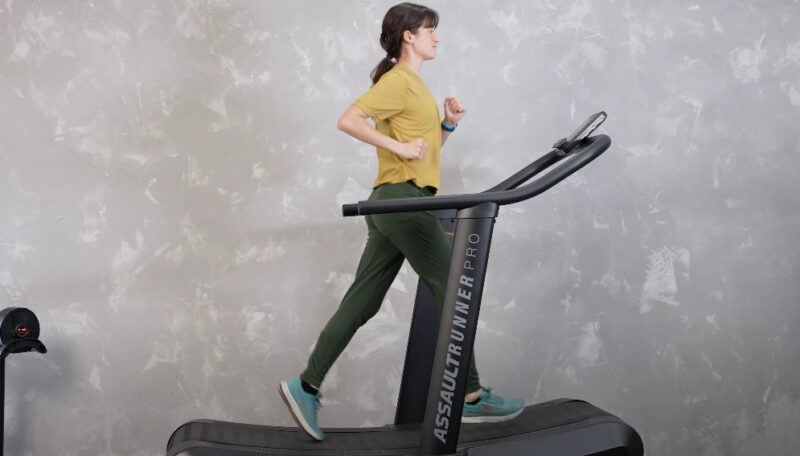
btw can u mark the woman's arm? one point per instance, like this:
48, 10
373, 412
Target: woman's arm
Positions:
445, 135
354, 122
453, 112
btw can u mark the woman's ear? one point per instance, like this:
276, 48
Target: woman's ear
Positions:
408, 37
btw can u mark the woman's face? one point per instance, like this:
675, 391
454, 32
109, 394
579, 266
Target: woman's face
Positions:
424, 42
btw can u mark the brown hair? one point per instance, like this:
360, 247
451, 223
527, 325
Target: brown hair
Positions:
399, 18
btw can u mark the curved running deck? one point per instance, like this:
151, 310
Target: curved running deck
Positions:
559, 427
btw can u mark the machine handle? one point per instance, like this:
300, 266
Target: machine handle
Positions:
584, 152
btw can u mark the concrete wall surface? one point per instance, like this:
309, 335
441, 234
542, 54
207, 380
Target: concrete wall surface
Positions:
171, 182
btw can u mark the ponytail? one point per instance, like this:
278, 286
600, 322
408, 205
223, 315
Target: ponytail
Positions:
383, 67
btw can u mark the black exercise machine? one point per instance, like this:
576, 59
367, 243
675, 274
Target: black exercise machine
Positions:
19, 332
430, 405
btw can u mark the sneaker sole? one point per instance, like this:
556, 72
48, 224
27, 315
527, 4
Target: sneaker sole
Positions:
490, 418
294, 410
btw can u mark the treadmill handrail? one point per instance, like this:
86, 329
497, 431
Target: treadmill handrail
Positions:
525, 174
586, 151
561, 149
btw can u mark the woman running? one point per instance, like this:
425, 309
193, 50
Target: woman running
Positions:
408, 135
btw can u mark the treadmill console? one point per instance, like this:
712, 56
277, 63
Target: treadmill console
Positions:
582, 132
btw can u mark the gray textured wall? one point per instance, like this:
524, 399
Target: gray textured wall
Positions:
171, 180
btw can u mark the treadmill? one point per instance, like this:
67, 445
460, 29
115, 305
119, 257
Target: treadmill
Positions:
431, 399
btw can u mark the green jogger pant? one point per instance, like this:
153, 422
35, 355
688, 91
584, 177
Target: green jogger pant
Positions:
392, 238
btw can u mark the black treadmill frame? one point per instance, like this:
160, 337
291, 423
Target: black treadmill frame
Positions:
446, 371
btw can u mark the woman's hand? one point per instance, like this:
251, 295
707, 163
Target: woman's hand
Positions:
453, 110
414, 150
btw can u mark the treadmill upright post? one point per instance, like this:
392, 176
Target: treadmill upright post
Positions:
459, 321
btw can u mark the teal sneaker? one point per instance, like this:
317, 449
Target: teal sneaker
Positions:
492, 408
303, 407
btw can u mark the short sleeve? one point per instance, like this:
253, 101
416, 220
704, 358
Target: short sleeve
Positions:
384, 99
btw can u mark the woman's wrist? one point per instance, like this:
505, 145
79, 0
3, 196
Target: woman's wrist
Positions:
449, 126
396, 147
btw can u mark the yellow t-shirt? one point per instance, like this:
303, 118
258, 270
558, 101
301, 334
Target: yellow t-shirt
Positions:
404, 109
